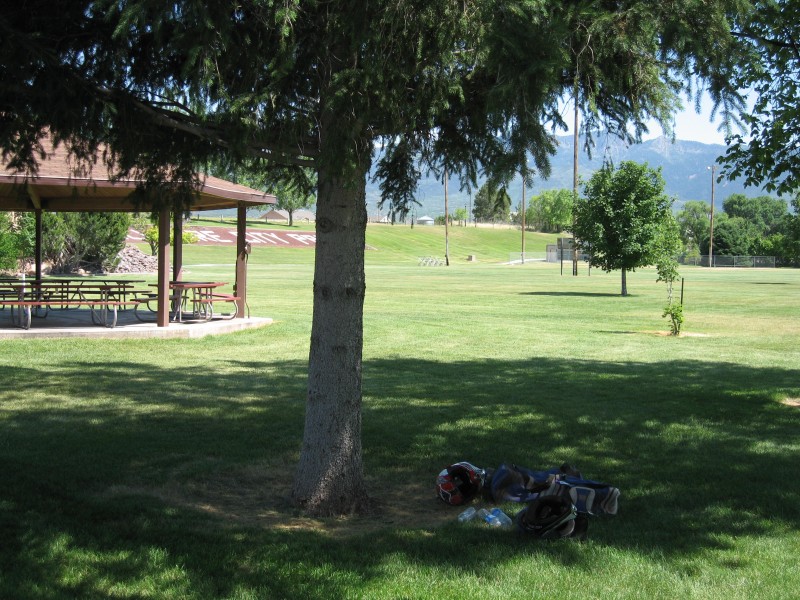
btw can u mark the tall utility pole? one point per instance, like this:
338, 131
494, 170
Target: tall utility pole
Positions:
711, 236
446, 224
523, 215
575, 182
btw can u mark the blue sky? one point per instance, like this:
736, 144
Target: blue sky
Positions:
689, 124
694, 126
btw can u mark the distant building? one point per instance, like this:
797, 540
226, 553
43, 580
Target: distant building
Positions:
425, 220
300, 215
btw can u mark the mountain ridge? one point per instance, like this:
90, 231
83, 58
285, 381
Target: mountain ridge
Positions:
685, 165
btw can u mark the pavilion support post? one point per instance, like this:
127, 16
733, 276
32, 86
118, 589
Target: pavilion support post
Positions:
162, 312
177, 246
37, 244
36, 200
242, 252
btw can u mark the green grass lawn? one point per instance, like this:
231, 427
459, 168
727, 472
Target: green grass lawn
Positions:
162, 468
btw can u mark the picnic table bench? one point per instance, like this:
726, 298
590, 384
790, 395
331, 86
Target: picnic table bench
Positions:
104, 299
104, 312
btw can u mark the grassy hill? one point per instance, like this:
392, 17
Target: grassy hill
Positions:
402, 244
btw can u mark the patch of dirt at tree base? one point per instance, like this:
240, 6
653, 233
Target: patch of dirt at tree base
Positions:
681, 334
259, 496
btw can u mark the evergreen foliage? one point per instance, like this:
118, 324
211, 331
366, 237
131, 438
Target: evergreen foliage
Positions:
88, 241
470, 87
492, 203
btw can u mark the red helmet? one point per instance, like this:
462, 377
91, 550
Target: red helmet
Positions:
459, 483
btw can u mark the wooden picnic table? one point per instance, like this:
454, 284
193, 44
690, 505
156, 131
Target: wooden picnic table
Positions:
36, 297
195, 299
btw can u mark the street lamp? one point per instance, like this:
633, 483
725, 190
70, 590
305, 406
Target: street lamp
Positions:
711, 237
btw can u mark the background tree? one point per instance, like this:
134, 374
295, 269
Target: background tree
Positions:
472, 87
765, 213
694, 224
482, 205
288, 195
733, 236
791, 242
291, 199
750, 226
625, 220
502, 206
460, 215
492, 203
551, 211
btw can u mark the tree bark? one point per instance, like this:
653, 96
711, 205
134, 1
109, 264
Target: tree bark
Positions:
329, 478
624, 283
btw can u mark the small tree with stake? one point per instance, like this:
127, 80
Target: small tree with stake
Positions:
667, 268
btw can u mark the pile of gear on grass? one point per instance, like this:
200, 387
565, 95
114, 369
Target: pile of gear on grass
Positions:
558, 501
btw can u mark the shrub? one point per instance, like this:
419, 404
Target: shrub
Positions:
674, 310
151, 236
16, 239
90, 241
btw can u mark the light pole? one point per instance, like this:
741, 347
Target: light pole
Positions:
711, 236
575, 180
523, 216
446, 227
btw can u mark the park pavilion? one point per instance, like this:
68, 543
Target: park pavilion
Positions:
61, 186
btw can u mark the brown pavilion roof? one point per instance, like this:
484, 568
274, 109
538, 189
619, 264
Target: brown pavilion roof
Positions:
60, 186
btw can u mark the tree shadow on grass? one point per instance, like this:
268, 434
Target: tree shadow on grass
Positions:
576, 294
699, 450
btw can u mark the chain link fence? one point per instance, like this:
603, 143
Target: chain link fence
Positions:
722, 260
554, 255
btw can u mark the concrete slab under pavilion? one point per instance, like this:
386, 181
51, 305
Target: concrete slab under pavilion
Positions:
71, 324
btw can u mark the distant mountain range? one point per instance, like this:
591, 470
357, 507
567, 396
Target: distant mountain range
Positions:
684, 166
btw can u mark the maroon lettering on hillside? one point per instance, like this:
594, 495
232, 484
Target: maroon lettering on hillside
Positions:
224, 236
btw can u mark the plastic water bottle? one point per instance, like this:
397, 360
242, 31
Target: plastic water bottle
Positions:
482, 514
501, 519
467, 515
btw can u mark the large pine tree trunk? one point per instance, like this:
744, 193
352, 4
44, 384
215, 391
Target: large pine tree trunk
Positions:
329, 478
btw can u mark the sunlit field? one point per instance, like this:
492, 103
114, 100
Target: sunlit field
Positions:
162, 468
